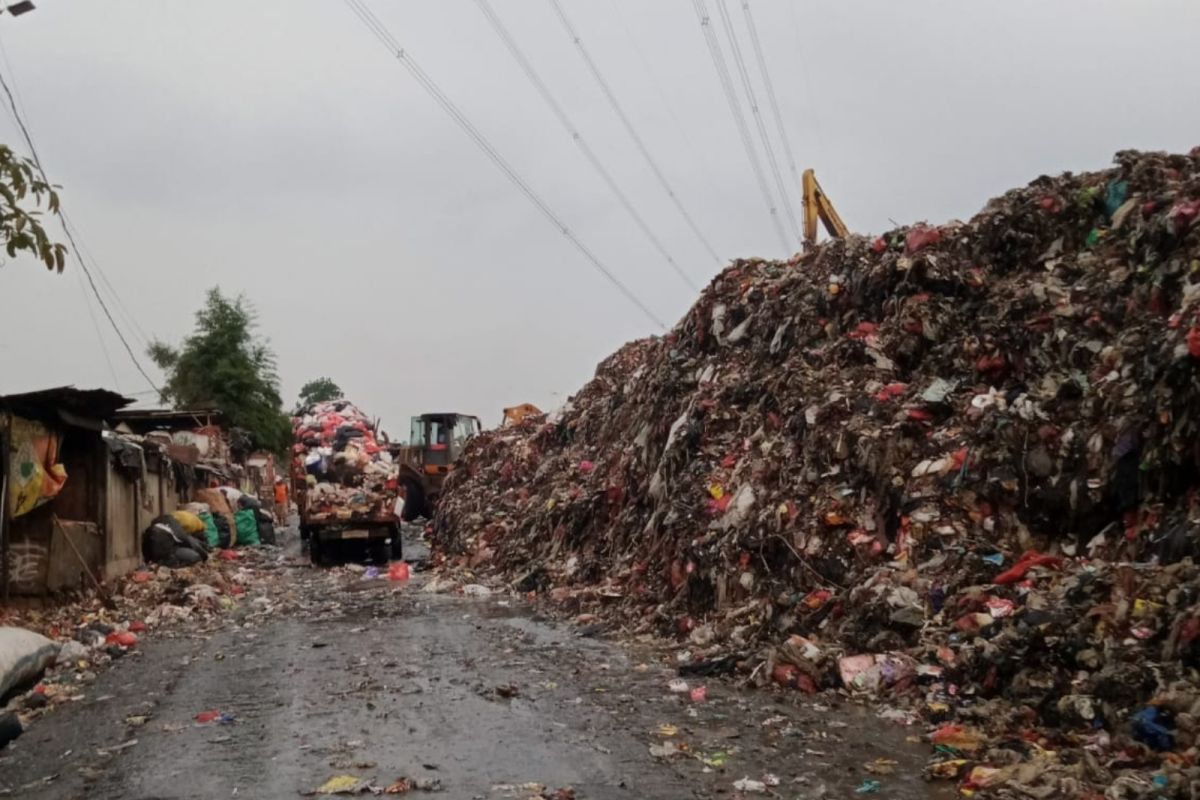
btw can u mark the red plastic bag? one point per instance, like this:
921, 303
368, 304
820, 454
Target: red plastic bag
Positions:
921, 237
1028, 561
122, 638
398, 571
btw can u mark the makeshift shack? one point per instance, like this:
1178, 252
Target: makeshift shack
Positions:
54, 489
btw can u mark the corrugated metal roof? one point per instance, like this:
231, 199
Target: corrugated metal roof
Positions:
91, 404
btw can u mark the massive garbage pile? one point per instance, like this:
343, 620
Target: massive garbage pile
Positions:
349, 475
953, 467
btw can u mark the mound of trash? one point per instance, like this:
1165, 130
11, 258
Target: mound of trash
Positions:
954, 467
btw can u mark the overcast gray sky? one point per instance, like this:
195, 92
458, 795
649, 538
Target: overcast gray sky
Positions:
274, 148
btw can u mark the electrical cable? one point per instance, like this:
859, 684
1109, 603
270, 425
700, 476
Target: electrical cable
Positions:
575, 135
87, 301
739, 119
125, 314
633, 134
806, 83
381, 33
70, 238
761, 58
748, 87
651, 77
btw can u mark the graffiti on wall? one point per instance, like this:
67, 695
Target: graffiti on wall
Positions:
26, 561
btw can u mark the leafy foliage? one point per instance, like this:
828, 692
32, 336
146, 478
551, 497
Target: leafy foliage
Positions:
225, 365
319, 391
20, 229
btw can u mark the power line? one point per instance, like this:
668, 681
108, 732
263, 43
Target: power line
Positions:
651, 77
65, 219
804, 79
752, 99
761, 58
380, 31
574, 133
739, 119
67, 230
633, 134
87, 301
137, 332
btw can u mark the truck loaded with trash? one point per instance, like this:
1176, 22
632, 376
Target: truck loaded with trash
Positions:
346, 483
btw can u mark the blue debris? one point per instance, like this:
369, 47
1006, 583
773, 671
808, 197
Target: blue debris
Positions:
1150, 728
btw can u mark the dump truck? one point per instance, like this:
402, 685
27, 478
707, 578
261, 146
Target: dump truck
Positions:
435, 443
345, 482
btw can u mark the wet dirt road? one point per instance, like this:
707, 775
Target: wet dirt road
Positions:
377, 682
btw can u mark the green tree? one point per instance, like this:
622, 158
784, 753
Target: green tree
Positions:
319, 391
224, 364
21, 229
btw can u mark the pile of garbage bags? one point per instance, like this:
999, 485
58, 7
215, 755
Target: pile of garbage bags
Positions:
349, 474
954, 468
189, 535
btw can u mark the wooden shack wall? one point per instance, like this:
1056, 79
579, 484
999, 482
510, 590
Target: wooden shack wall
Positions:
45, 556
132, 504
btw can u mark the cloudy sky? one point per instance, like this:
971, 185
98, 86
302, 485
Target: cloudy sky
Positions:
274, 148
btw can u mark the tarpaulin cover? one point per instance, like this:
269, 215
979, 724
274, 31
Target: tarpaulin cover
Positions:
36, 474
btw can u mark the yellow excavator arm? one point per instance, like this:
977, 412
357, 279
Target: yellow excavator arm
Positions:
817, 206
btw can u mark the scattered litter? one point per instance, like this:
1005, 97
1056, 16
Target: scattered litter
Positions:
751, 786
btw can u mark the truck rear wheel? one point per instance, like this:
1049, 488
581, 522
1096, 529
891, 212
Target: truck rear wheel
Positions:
414, 501
377, 551
397, 545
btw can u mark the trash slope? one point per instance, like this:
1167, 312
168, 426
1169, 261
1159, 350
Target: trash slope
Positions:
953, 467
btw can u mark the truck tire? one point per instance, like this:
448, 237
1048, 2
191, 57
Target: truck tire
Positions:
377, 551
414, 500
397, 545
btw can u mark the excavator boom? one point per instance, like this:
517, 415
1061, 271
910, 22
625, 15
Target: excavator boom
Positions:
817, 206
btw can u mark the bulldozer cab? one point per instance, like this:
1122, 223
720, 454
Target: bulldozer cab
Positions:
435, 443
440, 439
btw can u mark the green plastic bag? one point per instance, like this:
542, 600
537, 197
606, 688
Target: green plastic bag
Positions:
210, 530
247, 528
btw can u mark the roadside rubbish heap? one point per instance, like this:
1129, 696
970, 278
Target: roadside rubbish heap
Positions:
50, 656
952, 468
348, 473
189, 535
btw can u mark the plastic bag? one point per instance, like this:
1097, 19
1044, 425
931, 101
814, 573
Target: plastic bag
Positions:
24, 655
246, 522
191, 522
211, 534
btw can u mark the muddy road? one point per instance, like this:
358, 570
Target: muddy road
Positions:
471, 697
